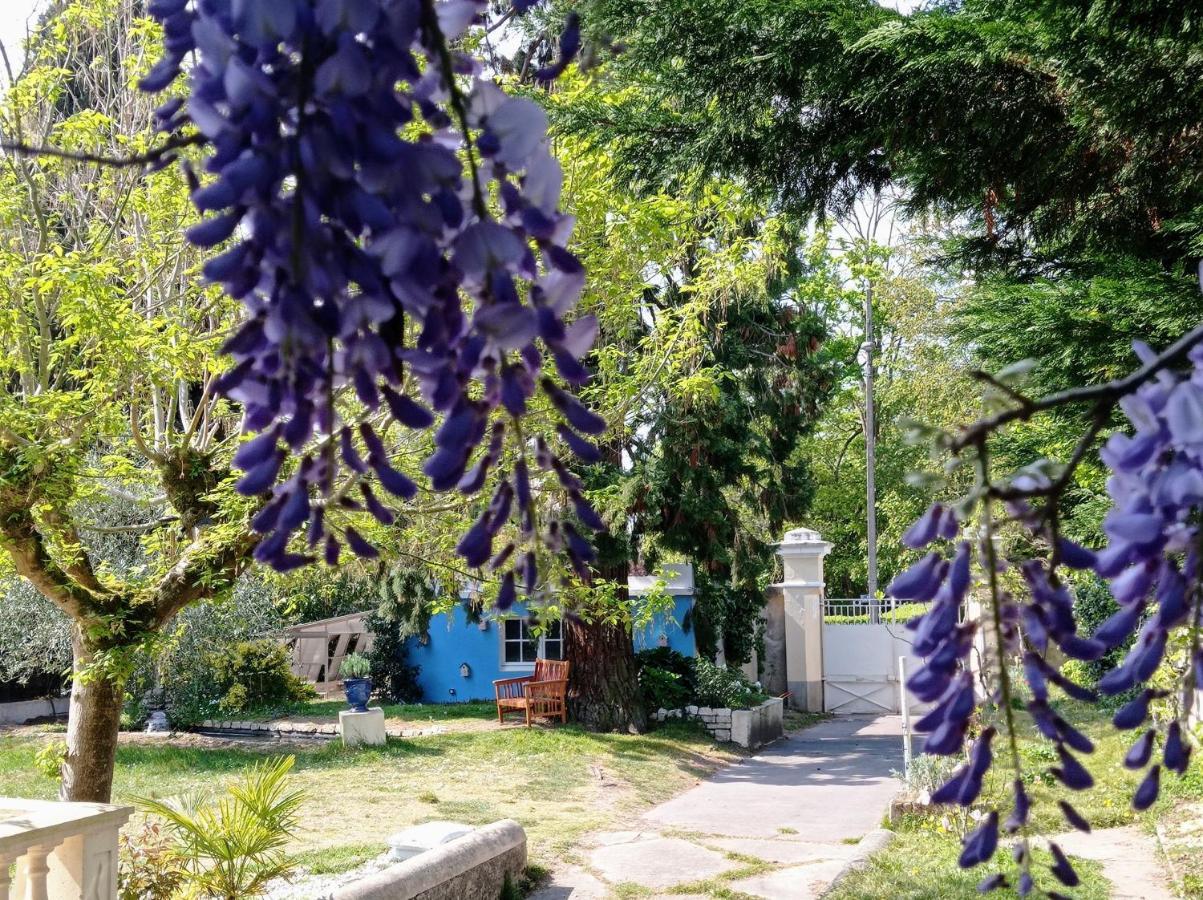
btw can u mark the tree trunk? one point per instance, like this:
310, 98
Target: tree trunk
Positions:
604, 692
92, 728
604, 687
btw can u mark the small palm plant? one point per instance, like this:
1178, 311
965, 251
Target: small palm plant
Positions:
233, 845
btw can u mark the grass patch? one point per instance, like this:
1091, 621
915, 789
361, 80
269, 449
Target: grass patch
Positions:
335, 860
921, 864
559, 783
796, 720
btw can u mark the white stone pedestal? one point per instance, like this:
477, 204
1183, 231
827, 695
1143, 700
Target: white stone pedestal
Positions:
362, 727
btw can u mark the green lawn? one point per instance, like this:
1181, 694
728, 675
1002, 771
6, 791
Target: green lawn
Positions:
920, 864
558, 782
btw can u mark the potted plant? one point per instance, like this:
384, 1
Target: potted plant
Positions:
357, 684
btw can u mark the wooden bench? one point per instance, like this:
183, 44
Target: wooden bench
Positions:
541, 695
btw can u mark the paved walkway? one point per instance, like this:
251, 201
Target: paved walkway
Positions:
779, 824
1130, 861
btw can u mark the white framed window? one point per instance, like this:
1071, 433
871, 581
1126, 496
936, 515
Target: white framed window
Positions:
520, 647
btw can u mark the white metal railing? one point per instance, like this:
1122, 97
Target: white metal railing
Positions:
859, 609
62, 851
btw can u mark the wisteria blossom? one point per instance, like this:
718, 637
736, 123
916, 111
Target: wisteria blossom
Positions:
363, 181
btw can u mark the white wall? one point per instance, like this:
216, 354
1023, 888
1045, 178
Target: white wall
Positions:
23, 710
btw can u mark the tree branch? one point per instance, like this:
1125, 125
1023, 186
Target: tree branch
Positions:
203, 570
1104, 396
20, 538
153, 155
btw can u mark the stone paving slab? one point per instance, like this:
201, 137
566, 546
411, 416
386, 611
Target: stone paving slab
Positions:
1130, 860
796, 883
825, 784
784, 851
657, 862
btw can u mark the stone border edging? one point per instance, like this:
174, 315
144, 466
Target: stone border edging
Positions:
873, 842
303, 729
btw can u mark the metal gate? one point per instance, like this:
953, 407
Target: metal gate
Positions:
860, 656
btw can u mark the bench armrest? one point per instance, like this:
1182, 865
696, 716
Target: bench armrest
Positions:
510, 688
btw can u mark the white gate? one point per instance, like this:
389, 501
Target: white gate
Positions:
862, 641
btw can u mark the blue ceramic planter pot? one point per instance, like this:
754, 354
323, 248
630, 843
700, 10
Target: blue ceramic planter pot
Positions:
358, 691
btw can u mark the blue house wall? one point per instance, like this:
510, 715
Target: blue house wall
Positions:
453, 641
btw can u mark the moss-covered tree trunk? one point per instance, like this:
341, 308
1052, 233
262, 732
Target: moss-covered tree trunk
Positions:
92, 729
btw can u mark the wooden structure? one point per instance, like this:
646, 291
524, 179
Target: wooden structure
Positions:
543, 695
319, 648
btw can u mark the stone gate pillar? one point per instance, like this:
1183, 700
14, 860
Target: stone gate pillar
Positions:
802, 553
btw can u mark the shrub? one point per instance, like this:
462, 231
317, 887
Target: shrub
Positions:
668, 661
249, 675
148, 866
232, 846
392, 674
256, 675
663, 689
724, 688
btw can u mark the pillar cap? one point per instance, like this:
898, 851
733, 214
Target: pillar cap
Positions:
803, 542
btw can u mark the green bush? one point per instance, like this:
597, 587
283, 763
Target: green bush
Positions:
249, 675
668, 661
663, 689
724, 688
256, 675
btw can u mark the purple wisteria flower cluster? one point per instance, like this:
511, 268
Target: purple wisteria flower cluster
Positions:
389, 219
1151, 562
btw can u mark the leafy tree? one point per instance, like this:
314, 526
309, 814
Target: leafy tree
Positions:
107, 391
709, 369
920, 377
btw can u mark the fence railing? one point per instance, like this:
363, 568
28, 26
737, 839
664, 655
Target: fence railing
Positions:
865, 610
60, 850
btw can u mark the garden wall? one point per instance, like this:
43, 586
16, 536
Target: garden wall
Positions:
750, 728
25, 710
473, 867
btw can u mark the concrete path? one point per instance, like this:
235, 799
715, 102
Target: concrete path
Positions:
778, 824
1130, 861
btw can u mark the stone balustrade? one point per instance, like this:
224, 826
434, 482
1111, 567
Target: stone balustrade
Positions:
62, 851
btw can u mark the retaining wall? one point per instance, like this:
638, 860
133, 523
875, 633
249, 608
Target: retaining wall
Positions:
750, 728
23, 711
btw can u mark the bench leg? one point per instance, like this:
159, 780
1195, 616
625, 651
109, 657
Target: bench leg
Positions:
500, 718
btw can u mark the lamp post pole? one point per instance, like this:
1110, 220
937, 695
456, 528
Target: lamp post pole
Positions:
870, 456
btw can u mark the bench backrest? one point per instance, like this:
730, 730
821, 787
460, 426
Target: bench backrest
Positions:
551, 670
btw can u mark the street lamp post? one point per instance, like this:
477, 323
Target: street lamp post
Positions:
870, 456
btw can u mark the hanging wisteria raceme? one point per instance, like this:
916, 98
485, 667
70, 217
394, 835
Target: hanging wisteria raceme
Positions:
1151, 561
366, 182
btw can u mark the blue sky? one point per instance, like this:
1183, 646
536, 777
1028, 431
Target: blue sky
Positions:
13, 20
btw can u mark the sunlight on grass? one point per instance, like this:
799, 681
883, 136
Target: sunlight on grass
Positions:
559, 783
